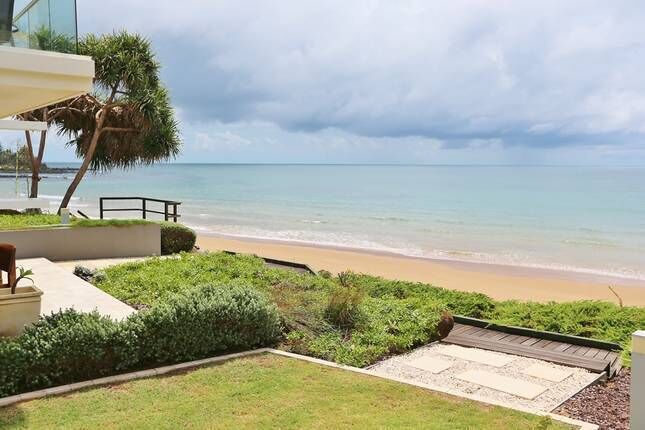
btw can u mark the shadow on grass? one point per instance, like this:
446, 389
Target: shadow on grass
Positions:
12, 416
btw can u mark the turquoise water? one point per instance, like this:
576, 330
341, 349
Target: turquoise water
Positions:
590, 219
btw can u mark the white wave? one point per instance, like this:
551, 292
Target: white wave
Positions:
312, 221
56, 197
363, 242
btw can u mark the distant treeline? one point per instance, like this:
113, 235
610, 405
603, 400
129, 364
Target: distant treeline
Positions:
8, 159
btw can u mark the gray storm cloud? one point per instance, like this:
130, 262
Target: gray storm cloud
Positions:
542, 74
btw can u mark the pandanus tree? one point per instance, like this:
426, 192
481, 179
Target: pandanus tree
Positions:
127, 119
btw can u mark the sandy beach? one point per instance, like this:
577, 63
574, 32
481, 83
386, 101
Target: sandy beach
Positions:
499, 282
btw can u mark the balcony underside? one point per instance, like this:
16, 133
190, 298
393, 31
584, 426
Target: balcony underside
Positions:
30, 79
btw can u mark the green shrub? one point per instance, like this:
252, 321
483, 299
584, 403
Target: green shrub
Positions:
203, 322
343, 308
60, 348
70, 346
176, 238
325, 274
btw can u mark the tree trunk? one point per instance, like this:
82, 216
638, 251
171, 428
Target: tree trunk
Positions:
100, 117
36, 160
36, 163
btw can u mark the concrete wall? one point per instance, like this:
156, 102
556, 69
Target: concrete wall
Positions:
83, 243
637, 415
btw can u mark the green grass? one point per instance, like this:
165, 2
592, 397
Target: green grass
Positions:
29, 221
264, 392
79, 222
395, 316
20, 222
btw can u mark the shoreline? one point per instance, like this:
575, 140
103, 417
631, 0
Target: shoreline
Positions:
498, 281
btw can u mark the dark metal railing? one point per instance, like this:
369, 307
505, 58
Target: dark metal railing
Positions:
167, 213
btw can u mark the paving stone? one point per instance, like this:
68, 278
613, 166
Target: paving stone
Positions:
516, 387
429, 364
62, 290
548, 373
478, 355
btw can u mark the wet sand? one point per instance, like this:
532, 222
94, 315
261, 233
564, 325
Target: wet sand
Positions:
497, 281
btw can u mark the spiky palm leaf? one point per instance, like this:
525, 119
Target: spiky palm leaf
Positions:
139, 125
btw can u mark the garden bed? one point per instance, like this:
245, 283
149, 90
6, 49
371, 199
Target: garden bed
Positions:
391, 316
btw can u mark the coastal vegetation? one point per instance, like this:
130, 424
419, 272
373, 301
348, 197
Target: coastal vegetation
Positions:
68, 346
265, 391
357, 319
10, 159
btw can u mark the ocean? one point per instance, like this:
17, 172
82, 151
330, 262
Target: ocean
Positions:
585, 219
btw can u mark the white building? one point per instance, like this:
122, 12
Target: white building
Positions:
32, 74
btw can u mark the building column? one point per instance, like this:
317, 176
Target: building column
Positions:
637, 415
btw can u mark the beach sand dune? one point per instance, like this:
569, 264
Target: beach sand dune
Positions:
499, 282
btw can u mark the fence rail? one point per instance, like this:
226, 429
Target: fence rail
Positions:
167, 204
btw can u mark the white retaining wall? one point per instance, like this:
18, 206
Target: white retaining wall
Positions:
84, 243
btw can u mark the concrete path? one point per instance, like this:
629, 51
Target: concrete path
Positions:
62, 290
510, 379
97, 264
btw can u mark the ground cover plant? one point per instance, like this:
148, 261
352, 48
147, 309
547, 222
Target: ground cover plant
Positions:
260, 392
358, 319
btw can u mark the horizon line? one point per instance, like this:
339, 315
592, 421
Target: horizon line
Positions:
251, 163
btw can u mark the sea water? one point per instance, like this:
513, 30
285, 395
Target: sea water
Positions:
587, 219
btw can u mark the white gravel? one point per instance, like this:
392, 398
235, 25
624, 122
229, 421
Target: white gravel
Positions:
556, 393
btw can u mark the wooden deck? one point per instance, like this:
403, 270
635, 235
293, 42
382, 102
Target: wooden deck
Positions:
569, 351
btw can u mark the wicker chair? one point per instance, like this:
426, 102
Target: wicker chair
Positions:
7, 264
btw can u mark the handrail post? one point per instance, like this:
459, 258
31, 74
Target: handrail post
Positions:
165, 211
101, 207
143, 207
174, 212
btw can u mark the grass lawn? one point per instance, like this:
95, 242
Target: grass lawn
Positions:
393, 317
28, 221
265, 391
17, 222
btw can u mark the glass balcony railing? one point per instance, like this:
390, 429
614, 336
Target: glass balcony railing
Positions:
48, 25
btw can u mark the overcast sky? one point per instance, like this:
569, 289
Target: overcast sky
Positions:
546, 82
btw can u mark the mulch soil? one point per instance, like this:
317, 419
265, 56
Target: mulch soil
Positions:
605, 404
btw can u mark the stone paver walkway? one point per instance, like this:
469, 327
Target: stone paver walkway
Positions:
513, 380
62, 290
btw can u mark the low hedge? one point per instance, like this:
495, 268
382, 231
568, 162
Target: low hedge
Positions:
176, 238
70, 346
